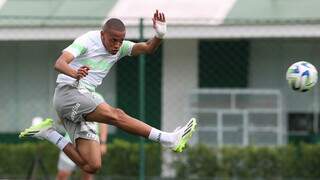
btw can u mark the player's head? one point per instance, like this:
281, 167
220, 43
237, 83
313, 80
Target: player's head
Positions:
112, 35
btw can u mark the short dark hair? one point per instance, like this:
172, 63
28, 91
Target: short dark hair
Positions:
115, 24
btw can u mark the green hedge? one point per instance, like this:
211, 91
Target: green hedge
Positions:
286, 162
122, 160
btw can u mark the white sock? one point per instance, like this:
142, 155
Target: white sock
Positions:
166, 139
57, 139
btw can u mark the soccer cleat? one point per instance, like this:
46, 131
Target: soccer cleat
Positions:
38, 130
184, 135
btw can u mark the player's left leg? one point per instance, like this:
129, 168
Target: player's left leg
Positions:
89, 150
86, 176
45, 130
65, 167
63, 175
84, 136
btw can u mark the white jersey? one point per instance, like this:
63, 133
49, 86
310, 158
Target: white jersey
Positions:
88, 50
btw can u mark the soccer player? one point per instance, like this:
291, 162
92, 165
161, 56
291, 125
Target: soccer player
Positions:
66, 166
82, 67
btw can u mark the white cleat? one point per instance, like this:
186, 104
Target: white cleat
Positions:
184, 135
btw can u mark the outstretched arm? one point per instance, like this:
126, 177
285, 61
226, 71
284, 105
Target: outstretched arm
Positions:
159, 24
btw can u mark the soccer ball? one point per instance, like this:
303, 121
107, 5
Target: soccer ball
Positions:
302, 76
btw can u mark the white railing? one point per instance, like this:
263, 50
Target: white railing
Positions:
238, 116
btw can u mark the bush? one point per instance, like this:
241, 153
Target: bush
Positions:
16, 159
199, 162
251, 162
122, 160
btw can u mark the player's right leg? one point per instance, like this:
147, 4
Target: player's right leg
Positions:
176, 140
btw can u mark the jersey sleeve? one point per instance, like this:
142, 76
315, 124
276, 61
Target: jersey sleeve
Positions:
79, 46
126, 48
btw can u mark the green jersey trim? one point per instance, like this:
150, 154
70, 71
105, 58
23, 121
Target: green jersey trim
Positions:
80, 48
125, 48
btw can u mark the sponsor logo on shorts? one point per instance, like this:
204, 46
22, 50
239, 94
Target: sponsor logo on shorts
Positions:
75, 111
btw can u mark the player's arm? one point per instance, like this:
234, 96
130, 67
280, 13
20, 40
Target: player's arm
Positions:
159, 25
62, 66
103, 137
146, 47
77, 48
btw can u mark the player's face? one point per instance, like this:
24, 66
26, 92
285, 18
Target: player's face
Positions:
112, 40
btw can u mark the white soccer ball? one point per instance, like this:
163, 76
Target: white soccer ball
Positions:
302, 76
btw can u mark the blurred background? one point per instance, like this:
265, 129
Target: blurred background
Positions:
223, 62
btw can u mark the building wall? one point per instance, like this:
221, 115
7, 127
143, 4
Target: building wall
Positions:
269, 60
28, 80
180, 75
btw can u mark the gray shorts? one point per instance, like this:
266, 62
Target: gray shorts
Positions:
72, 105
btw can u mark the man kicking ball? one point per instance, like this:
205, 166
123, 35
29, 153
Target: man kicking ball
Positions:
82, 67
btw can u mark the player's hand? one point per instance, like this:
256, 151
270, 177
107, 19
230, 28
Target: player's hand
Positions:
159, 24
82, 72
103, 148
